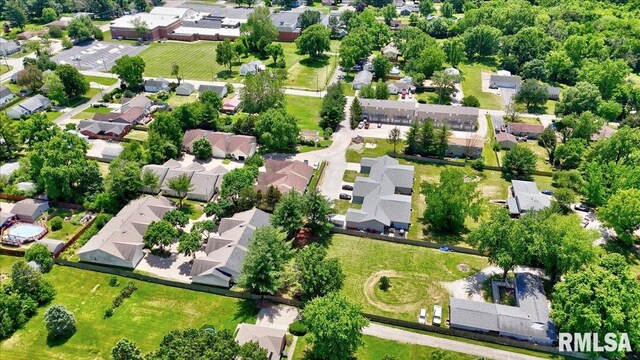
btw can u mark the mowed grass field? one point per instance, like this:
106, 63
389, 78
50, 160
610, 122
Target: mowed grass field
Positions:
197, 62
472, 85
306, 109
151, 312
415, 273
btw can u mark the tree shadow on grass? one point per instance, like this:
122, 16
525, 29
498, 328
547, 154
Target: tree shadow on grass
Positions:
226, 74
245, 310
58, 340
315, 62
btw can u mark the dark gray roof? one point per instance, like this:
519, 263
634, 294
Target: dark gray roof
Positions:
35, 103
510, 79
97, 127
4, 91
527, 197
363, 77
218, 89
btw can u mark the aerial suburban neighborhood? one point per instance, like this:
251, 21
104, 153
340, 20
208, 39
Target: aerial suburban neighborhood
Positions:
319, 179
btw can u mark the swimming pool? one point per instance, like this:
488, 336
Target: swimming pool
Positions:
26, 231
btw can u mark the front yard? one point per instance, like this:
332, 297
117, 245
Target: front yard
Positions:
151, 312
371, 148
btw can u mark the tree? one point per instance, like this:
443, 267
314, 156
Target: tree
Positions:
276, 51
451, 201
150, 179
563, 199
278, 131
579, 302
262, 92
426, 7
308, 18
16, 12
226, 54
38, 128
159, 233
445, 84
532, 93
454, 50
235, 181
534, 69
470, 101
9, 137
519, 162
559, 67
176, 218
429, 61
355, 113
318, 211
610, 110
263, 268
60, 321
181, 185
129, 69
141, 5
381, 66
382, 90
189, 244
581, 126
30, 77
569, 155
447, 9
141, 28
441, 141
389, 13
578, 99
335, 326
80, 28
314, 40
30, 283
105, 7
607, 75
333, 104
288, 214
481, 41
527, 44
501, 241
202, 149
175, 71
49, 15
126, 350
259, 29
41, 255
548, 141
317, 275
55, 87
204, 228
74, 83
394, 138
622, 213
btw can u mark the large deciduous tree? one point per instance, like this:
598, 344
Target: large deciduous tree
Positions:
520, 162
181, 185
622, 213
74, 83
226, 54
314, 40
129, 69
532, 93
317, 275
259, 29
262, 92
289, 213
278, 131
481, 41
126, 350
578, 99
263, 269
160, 233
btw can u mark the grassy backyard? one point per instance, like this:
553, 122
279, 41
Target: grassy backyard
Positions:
137, 135
177, 100
196, 62
416, 274
472, 85
106, 81
145, 317
375, 148
306, 109
69, 228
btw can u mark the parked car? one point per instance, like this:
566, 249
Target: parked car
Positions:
347, 187
344, 196
366, 125
422, 318
445, 249
547, 192
582, 207
437, 315
379, 125
360, 125
316, 165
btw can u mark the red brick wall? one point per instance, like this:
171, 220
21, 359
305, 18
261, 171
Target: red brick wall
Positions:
288, 36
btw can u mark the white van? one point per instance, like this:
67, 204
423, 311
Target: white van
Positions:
422, 318
437, 315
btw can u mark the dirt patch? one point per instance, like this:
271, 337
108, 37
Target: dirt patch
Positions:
463, 267
491, 191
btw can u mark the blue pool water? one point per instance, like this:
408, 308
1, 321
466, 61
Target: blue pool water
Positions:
26, 230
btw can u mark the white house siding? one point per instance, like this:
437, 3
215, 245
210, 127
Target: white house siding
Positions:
101, 257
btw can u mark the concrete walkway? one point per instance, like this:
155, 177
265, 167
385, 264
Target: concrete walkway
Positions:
403, 336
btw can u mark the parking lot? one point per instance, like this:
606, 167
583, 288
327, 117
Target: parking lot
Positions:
97, 55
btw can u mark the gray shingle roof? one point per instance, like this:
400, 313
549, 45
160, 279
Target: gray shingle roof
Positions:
363, 77
527, 197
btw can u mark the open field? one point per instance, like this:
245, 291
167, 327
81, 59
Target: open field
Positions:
375, 349
542, 157
472, 85
356, 152
106, 81
196, 61
306, 109
415, 275
145, 317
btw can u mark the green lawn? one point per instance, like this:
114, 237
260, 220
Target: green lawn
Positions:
375, 349
83, 99
383, 147
306, 109
193, 209
429, 96
98, 110
6, 262
196, 61
415, 275
490, 156
341, 206
349, 176
106, 81
52, 115
145, 317
69, 228
5, 68
542, 157
177, 100
472, 85
137, 135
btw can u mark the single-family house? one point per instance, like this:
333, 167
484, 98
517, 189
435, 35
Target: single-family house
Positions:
8, 47
524, 196
220, 90
227, 248
223, 145
362, 78
252, 67
554, 93
230, 106
103, 129
29, 210
268, 338
111, 151
204, 183
408, 9
5, 95
120, 241
530, 131
470, 148
391, 51
131, 116
528, 320
504, 81
399, 87
286, 175
156, 85
604, 133
140, 101
30, 106
507, 141
398, 3
385, 196
185, 89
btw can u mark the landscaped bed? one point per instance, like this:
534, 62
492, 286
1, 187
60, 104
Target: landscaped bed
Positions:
151, 312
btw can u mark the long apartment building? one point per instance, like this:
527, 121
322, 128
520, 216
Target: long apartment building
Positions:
404, 112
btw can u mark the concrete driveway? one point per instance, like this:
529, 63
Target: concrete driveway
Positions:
277, 316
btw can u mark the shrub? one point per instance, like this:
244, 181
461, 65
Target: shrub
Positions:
55, 32
113, 281
202, 149
66, 43
41, 255
422, 101
56, 223
117, 301
477, 164
470, 101
128, 289
60, 321
298, 328
108, 313
384, 284
97, 34
102, 220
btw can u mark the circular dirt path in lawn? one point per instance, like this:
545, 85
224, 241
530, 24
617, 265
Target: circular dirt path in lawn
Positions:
371, 284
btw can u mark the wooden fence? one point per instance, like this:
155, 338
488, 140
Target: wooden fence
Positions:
75, 237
